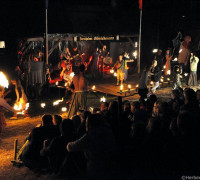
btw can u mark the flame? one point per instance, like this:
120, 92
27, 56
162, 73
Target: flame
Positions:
93, 87
42, 105
111, 71
129, 86
63, 109
21, 106
3, 80
137, 85
168, 72
55, 103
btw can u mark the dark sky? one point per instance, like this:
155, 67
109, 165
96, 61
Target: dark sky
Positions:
162, 19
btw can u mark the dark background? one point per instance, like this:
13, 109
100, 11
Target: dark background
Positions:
162, 19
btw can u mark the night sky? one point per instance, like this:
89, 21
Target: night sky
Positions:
162, 19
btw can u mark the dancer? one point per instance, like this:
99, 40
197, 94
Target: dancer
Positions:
192, 81
121, 66
143, 91
79, 98
177, 71
155, 75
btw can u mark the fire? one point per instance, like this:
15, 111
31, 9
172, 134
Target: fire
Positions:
55, 103
21, 106
93, 87
3, 80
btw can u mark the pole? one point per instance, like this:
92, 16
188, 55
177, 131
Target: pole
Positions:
140, 32
46, 31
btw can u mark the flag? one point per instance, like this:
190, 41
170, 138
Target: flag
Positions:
140, 4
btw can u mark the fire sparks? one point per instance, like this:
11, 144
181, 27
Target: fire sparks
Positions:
3, 80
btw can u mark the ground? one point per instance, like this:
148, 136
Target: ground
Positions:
19, 129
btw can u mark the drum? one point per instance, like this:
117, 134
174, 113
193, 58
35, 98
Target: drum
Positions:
107, 60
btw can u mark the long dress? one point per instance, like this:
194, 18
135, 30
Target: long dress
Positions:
168, 64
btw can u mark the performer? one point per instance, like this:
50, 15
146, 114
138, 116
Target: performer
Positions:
192, 81
143, 91
160, 59
168, 57
177, 71
155, 75
121, 66
3, 106
79, 98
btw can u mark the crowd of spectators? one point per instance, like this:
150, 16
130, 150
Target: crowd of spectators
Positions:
149, 139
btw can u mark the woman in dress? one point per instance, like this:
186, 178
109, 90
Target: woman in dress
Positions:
168, 58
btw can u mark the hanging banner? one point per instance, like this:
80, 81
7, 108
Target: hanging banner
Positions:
140, 4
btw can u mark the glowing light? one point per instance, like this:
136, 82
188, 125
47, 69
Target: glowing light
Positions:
129, 86
175, 59
115, 74
27, 106
168, 79
151, 82
137, 86
93, 87
180, 50
168, 72
186, 74
161, 80
103, 99
121, 87
55, 103
164, 67
112, 71
56, 83
181, 76
42, 105
3, 80
155, 50
63, 109
135, 54
72, 74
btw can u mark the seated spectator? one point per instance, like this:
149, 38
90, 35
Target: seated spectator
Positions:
176, 101
99, 147
198, 96
191, 103
31, 153
82, 128
57, 119
56, 151
139, 115
77, 122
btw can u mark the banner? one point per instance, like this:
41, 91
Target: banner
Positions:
140, 4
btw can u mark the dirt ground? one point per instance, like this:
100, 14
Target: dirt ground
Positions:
19, 129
